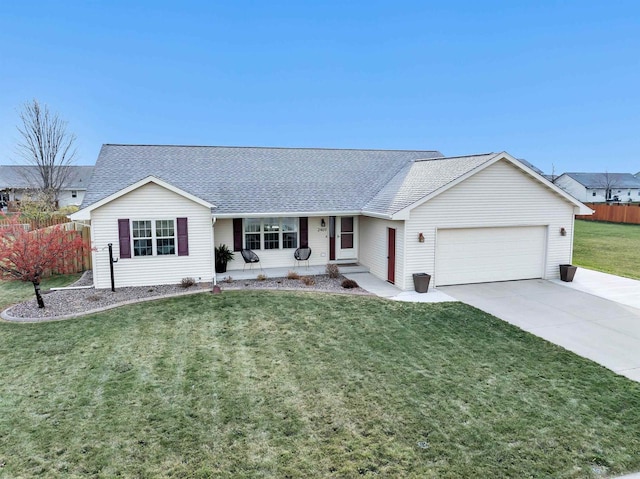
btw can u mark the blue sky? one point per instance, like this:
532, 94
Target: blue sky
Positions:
556, 83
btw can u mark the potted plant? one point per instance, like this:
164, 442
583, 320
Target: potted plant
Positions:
223, 256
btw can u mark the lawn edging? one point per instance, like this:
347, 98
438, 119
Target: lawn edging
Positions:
6, 315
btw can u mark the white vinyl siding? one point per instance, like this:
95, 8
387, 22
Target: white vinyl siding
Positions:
277, 258
499, 196
481, 255
578, 190
66, 198
374, 244
152, 202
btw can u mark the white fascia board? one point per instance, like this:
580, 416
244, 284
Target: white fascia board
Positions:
85, 213
372, 214
583, 209
286, 214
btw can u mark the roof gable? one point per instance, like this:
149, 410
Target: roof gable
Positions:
421, 178
85, 213
483, 162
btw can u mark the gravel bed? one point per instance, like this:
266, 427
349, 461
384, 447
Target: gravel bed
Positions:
321, 283
68, 302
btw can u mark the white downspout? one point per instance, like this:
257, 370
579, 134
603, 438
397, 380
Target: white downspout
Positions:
213, 249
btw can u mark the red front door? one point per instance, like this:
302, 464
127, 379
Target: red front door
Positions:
391, 255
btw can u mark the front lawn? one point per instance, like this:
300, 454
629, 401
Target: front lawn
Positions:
12, 292
608, 247
277, 384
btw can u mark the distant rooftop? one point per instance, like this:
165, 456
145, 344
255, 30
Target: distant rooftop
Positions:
22, 177
600, 180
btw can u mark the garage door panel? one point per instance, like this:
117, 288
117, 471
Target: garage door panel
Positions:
477, 255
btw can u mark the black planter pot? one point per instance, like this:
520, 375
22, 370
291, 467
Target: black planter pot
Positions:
221, 267
567, 272
421, 282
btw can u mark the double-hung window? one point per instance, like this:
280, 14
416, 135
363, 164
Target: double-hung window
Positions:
165, 237
270, 233
142, 238
153, 237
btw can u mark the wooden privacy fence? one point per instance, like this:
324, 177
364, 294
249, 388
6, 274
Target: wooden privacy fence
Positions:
613, 213
39, 224
81, 260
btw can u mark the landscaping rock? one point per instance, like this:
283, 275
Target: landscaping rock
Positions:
76, 302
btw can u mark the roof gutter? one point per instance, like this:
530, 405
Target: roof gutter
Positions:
382, 216
286, 214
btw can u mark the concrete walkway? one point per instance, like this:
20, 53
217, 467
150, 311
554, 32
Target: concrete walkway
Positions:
387, 290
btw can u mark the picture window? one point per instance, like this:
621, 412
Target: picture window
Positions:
270, 233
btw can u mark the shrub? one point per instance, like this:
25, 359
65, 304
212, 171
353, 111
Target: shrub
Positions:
333, 271
349, 284
261, 277
67, 210
293, 275
187, 282
308, 280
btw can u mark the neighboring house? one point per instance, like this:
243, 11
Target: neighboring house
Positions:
465, 219
601, 187
17, 181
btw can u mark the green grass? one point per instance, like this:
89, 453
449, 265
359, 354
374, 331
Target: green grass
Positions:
612, 248
12, 292
275, 384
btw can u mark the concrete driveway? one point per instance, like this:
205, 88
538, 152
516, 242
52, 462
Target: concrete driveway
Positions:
602, 330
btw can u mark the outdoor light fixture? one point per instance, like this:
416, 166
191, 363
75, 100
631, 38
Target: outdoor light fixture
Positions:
420, 237
322, 223
563, 232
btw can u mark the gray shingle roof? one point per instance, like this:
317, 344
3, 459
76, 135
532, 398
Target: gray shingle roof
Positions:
23, 177
246, 180
599, 180
421, 178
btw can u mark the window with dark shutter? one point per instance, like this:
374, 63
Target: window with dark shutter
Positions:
237, 234
124, 238
304, 232
183, 237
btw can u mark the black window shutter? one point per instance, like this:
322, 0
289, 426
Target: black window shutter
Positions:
237, 234
124, 238
304, 232
183, 237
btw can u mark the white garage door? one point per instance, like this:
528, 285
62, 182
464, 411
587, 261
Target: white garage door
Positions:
481, 255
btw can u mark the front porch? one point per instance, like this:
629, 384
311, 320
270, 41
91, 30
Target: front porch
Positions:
302, 270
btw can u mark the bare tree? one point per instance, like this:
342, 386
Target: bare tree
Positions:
553, 177
608, 181
47, 148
